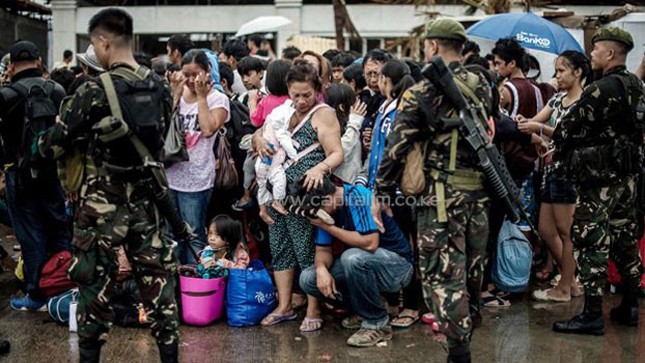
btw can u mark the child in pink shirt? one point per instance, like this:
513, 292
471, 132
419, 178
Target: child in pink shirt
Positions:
260, 106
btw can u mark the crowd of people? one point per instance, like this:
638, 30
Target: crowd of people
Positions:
321, 145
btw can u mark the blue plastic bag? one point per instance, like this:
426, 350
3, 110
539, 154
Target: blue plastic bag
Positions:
250, 295
512, 266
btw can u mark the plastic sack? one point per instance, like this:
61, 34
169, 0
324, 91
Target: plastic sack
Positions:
250, 295
512, 266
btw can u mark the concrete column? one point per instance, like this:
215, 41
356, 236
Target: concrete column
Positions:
291, 9
63, 28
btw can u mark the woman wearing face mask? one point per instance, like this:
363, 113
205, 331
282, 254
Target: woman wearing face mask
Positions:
559, 193
202, 111
315, 131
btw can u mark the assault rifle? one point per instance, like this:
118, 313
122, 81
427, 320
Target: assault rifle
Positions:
490, 160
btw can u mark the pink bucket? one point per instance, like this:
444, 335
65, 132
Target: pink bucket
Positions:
202, 300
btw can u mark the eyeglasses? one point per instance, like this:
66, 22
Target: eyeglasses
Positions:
372, 75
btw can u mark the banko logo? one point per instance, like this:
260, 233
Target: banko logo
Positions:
524, 37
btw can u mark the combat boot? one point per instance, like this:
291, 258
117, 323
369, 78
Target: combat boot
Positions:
169, 353
459, 354
90, 351
589, 322
627, 312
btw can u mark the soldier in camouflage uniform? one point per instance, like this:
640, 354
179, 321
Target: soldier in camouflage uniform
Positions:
114, 210
453, 229
601, 139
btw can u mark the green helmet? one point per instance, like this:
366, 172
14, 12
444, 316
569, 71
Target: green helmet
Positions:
614, 34
446, 28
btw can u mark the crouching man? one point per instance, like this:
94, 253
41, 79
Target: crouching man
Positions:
372, 263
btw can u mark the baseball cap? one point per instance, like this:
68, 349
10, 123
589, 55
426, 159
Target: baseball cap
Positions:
446, 28
614, 34
23, 50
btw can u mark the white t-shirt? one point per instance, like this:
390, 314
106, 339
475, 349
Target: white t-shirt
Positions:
198, 173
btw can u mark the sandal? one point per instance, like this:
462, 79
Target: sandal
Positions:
408, 320
310, 325
495, 301
496, 292
273, 319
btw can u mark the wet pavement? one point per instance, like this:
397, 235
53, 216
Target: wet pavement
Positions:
520, 333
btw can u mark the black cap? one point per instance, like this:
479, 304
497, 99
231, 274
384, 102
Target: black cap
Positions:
23, 50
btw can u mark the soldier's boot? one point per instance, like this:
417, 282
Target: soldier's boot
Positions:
475, 316
627, 312
169, 353
590, 322
90, 351
459, 354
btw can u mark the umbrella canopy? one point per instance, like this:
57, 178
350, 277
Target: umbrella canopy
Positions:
532, 31
262, 24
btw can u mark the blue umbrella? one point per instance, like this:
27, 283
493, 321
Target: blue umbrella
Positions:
530, 30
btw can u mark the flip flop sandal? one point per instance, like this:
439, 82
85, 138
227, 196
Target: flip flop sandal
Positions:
306, 326
279, 318
411, 319
498, 292
495, 301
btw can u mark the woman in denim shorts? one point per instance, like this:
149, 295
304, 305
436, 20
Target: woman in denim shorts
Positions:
558, 194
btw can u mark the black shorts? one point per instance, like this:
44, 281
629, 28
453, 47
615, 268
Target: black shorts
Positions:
558, 190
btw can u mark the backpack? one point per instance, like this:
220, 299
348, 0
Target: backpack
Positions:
239, 124
59, 306
53, 278
40, 114
413, 179
140, 95
512, 265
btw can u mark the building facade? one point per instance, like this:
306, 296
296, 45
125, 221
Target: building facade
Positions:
206, 20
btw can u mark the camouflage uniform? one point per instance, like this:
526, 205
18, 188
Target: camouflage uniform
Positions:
114, 211
453, 227
598, 142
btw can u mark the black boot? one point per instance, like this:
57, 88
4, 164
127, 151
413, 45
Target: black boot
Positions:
627, 312
476, 317
90, 351
169, 353
459, 354
589, 322
5, 346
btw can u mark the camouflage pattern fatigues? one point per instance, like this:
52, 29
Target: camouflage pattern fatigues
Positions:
114, 211
452, 253
598, 141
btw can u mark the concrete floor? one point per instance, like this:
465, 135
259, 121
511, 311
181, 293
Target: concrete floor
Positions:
521, 333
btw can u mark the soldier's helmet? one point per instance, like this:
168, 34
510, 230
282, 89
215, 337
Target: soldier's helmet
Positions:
446, 28
615, 35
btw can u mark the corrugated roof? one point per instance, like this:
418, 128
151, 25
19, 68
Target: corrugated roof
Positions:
26, 6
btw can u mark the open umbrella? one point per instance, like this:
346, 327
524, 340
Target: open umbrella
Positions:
532, 31
262, 24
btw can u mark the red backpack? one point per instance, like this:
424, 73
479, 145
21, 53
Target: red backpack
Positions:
53, 279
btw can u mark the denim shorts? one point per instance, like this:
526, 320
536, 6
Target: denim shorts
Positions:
558, 190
